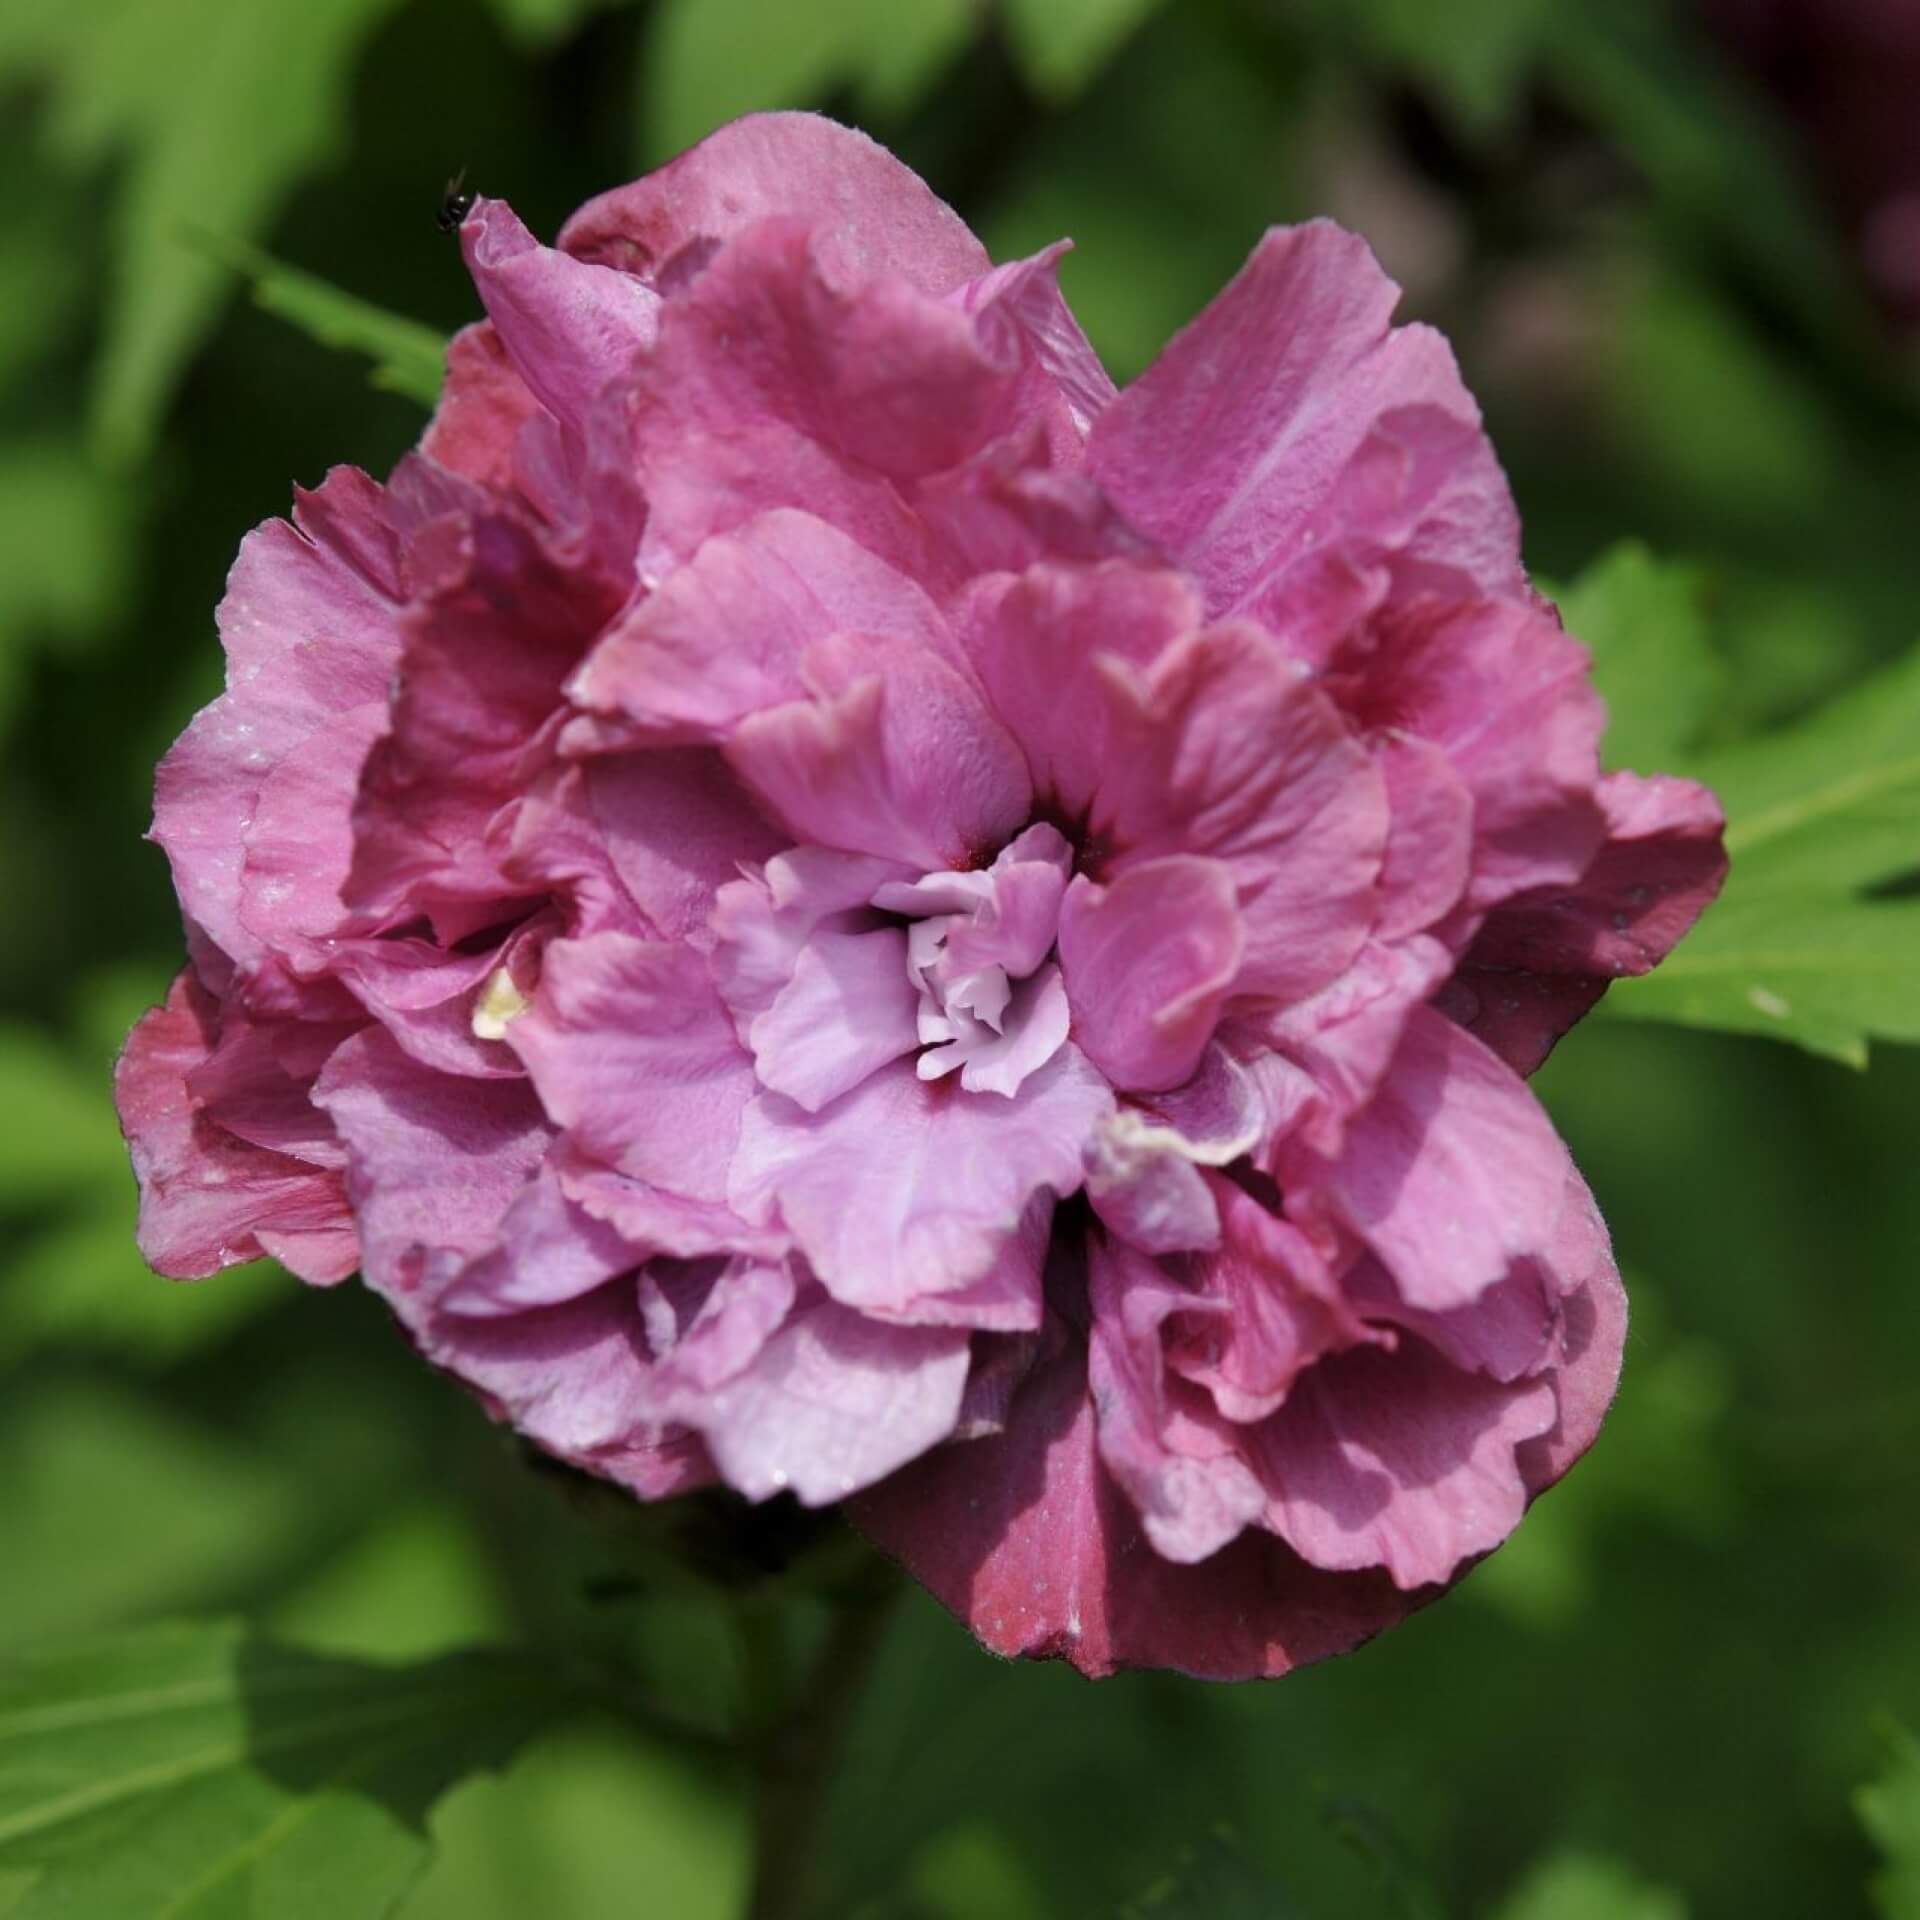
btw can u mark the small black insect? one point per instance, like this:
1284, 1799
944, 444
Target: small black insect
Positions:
455, 204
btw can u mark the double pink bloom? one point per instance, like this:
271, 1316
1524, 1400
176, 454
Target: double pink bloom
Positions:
820, 900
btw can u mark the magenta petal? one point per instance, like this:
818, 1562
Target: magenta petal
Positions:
634, 1054
1034, 640
551, 1251
1452, 1171
1148, 960
1025, 1536
1264, 1309
481, 410
903, 1188
299, 841
1225, 447
487, 649
781, 582
1429, 836
568, 327
847, 1010
1226, 748
1026, 295
1592, 1337
1507, 695
1397, 1460
1192, 1500
900, 758
762, 921
290, 586
676, 827
209, 1199
1662, 863
434, 1162
872, 214
833, 1402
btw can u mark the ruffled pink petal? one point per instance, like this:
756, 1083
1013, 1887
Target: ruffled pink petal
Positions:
762, 921
299, 842
904, 1188
1400, 1461
655, 1221
1149, 959
1429, 836
1503, 691
1519, 1016
551, 1250
257, 1081
481, 410
1013, 506
208, 1198
310, 623
832, 1403
1033, 641
1592, 1337
1662, 863
873, 216
1334, 1048
1226, 748
568, 327
1025, 294
707, 1321
783, 581
1144, 1163
1421, 510
487, 648
1508, 1333
433, 1161
1262, 1310
1026, 1537
882, 376
576, 1379
676, 827
633, 1052
898, 758
846, 1011
1192, 1498
1452, 1171
1228, 443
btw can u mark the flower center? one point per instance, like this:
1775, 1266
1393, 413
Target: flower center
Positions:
992, 1005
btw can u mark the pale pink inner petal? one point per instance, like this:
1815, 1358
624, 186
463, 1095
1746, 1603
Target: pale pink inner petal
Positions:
847, 1009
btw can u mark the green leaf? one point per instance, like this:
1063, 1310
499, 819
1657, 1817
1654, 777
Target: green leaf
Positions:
1889, 1809
1644, 621
194, 1772
214, 110
408, 357
1581, 1886
1212, 1881
1813, 967
1835, 801
1062, 44
1815, 814
708, 61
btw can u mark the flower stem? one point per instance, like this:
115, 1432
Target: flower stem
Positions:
799, 1752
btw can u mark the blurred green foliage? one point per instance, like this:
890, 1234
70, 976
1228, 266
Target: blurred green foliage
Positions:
1670, 1695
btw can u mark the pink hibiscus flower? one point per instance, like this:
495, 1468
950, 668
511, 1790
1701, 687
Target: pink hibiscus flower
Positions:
821, 901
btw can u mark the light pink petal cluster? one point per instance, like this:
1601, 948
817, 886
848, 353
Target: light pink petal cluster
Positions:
821, 901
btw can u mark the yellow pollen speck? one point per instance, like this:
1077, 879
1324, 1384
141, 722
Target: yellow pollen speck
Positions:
1768, 1003
500, 1002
